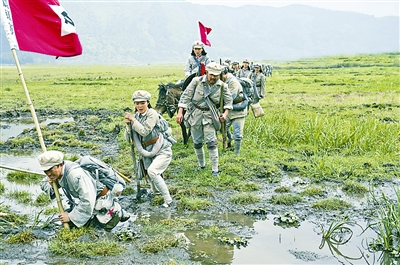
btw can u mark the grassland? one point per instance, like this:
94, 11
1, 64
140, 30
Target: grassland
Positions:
326, 118
334, 119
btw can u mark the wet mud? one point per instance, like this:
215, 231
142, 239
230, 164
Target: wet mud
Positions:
38, 253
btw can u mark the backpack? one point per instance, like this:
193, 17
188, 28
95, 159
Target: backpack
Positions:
247, 85
100, 171
163, 127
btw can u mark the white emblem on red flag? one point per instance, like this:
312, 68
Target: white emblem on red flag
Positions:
41, 26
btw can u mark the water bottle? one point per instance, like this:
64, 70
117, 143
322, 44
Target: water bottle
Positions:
117, 189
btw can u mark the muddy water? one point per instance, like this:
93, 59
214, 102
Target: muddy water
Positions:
268, 243
14, 128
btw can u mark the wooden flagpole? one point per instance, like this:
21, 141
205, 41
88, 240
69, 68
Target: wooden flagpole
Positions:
32, 109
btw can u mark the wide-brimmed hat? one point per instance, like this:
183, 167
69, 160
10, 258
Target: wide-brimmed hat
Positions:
50, 159
141, 95
213, 68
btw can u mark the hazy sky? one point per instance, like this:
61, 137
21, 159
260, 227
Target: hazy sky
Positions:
376, 8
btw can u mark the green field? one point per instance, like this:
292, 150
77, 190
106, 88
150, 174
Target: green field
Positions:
326, 118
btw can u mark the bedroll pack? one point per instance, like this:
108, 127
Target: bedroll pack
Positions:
100, 171
163, 127
248, 88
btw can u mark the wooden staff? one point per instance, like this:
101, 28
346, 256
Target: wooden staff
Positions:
32, 109
22, 170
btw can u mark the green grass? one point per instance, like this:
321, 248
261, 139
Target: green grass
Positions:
24, 178
312, 191
2, 188
67, 243
331, 204
20, 196
326, 118
386, 223
212, 232
244, 198
332, 118
354, 188
24, 237
286, 199
193, 204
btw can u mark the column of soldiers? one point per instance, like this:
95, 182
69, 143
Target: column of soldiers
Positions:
235, 66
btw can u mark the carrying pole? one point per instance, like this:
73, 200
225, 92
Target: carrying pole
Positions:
32, 109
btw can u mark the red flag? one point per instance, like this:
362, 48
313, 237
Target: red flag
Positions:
204, 31
41, 26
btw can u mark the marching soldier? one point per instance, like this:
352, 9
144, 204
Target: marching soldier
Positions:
197, 60
200, 99
258, 79
236, 116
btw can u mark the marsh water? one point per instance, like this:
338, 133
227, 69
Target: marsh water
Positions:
268, 242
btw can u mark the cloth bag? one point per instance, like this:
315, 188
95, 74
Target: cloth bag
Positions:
257, 110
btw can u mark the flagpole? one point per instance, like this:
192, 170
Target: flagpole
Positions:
32, 109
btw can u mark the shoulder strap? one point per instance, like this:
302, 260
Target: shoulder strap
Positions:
68, 167
198, 65
221, 98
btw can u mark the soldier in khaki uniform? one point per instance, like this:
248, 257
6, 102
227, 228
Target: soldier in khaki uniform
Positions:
197, 60
90, 200
236, 116
235, 68
244, 70
258, 79
150, 142
199, 116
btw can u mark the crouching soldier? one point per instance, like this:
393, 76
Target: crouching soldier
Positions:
90, 200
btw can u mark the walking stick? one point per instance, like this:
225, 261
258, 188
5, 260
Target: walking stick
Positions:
135, 165
223, 124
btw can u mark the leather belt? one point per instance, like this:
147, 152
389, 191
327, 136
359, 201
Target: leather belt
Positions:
149, 142
200, 108
103, 192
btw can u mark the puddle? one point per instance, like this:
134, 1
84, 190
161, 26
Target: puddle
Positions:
267, 242
10, 129
21, 162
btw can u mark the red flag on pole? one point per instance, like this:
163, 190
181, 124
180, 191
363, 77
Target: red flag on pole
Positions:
204, 31
41, 26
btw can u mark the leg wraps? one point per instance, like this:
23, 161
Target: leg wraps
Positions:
200, 155
214, 158
238, 143
161, 187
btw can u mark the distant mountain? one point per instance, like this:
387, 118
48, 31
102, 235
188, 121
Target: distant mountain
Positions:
136, 33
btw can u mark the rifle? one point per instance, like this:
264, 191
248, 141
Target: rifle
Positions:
223, 124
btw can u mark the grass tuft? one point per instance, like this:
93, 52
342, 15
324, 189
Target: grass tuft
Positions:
331, 204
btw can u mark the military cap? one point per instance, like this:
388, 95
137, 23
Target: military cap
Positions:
50, 159
141, 95
213, 68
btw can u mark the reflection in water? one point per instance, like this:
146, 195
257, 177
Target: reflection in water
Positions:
14, 128
211, 250
268, 243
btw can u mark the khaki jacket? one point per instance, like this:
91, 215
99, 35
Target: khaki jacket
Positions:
194, 96
237, 95
259, 80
